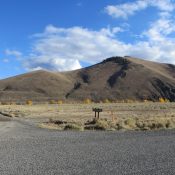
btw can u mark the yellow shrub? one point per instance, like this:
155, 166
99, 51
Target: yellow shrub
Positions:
60, 102
161, 100
29, 102
87, 101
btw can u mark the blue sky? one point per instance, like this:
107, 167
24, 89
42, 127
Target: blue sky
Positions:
61, 35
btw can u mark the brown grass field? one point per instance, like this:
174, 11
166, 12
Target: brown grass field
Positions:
115, 116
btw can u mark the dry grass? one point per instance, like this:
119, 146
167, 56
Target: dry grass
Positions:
108, 125
62, 125
49, 126
115, 116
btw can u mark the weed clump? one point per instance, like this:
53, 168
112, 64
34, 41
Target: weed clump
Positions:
73, 126
100, 124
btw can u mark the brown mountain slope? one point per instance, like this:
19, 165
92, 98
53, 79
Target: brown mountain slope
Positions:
114, 78
38, 85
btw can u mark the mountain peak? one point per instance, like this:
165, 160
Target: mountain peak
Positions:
118, 59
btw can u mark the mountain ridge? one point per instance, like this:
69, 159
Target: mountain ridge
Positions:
115, 78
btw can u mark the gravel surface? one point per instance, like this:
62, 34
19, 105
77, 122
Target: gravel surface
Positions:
28, 150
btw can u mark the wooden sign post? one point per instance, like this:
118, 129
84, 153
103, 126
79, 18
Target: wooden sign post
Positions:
97, 110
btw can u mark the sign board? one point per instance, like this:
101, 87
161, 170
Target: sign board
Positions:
97, 110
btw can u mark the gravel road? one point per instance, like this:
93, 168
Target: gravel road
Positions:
28, 150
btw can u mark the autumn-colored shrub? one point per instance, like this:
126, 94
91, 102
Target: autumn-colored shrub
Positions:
87, 101
60, 102
161, 100
29, 102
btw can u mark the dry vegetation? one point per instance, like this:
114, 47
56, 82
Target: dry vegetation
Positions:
115, 116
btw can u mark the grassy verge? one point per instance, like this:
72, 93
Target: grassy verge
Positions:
155, 123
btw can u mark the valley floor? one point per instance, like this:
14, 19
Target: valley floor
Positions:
127, 116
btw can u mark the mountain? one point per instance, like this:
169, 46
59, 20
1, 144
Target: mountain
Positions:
116, 78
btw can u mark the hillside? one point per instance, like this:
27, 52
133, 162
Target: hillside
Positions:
115, 78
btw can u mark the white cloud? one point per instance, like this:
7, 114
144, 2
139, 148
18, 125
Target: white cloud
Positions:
157, 43
163, 5
160, 29
62, 49
15, 53
127, 9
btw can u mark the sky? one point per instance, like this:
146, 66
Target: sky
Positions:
62, 35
